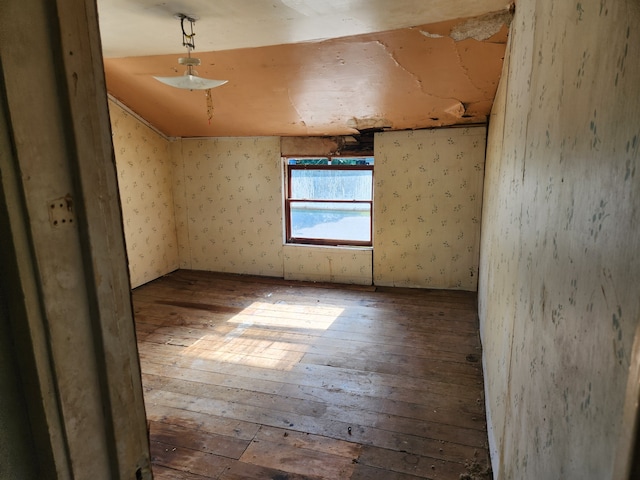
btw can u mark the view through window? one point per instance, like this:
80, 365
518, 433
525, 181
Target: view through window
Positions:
329, 200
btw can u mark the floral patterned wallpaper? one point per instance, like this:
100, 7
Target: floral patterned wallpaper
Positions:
328, 264
216, 204
560, 267
427, 207
228, 203
143, 162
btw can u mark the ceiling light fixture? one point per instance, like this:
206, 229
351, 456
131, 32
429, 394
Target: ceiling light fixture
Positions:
190, 80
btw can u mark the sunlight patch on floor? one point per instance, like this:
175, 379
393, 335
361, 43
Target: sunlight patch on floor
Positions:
249, 343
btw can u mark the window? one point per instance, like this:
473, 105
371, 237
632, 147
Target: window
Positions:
329, 200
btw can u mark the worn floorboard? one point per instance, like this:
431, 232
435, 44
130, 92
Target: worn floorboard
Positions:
258, 378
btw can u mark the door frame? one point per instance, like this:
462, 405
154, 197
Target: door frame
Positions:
63, 245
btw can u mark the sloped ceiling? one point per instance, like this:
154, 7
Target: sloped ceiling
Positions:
307, 67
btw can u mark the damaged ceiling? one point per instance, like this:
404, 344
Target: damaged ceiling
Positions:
419, 64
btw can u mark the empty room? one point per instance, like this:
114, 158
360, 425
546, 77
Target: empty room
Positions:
319, 239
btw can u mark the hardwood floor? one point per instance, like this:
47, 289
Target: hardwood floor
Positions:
258, 378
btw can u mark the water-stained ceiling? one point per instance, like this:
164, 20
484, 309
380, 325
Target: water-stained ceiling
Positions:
307, 67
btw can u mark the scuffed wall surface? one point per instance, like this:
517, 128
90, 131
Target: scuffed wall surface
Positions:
328, 264
428, 201
560, 268
496, 341
228, 195
143, 162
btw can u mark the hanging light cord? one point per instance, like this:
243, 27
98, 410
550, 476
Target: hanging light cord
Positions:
209, 105
191, 80
188, 39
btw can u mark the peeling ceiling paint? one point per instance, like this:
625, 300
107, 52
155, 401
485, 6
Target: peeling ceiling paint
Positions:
481, 28
421, 76
147, 27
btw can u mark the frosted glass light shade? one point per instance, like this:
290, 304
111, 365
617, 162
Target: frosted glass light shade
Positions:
190, 82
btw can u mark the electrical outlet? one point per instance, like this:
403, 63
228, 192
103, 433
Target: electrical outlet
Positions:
61, 212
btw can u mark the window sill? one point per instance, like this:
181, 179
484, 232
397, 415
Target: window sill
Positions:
338, 247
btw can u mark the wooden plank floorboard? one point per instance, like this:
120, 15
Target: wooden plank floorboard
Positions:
187, 460
260, 378
256, 329
318, 350
247, 471
298, 301
425, 406
302, 453
310, 374
320, 320
389, 386
365, 472
417, 315
196, 439
197, 421
270, 338
163, 473
429, 303
381, 438
423, 418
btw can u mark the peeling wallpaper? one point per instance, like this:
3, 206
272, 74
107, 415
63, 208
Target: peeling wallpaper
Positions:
228, 194
427, 207
558, 291
143, 162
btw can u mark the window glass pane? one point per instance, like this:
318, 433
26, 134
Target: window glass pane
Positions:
331, 184
331, 221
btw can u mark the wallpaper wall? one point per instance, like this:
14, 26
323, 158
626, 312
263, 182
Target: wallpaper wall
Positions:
560, 269
143, 162
328, 264
428, 197
427, 207
228, 204
216, 204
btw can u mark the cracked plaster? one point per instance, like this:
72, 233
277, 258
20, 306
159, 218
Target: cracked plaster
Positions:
410, 78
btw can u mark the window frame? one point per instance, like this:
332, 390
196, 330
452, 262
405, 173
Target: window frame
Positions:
288, 200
